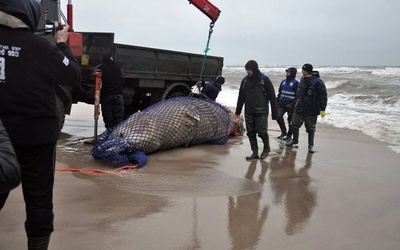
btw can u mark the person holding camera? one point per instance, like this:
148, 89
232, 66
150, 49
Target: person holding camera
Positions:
286, 99
311, 101
32, 69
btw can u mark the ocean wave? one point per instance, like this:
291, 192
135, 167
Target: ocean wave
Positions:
365, 103
374, 115
387, 72
365, 99
335, 84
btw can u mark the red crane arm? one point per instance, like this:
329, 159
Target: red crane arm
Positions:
207, 8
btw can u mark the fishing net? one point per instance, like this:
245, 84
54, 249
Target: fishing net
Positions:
176, 122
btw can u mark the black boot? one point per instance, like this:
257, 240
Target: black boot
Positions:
264, 154
282, 136
282, 126
311, 142
38, 243
289, 134
295, 139
254, 148
267, 149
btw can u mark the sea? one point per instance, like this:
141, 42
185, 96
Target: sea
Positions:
365, 99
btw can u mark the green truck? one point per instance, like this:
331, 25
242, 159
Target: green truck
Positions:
149, 75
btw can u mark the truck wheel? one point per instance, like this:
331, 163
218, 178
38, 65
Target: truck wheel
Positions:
176, 94
60, 112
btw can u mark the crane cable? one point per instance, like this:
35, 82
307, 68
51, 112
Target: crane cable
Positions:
207, 48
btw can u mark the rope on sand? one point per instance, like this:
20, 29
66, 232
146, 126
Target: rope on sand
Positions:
97, 171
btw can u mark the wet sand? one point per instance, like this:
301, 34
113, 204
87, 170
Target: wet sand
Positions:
345, 196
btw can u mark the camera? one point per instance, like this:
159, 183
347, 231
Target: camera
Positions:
49, 27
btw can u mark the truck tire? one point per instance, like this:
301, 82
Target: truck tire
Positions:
60, 112
176, 94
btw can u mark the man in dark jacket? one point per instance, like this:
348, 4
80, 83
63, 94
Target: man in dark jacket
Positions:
211, 89
111, 99
32, 68
256, 93
286, 99
10, 172
311, 101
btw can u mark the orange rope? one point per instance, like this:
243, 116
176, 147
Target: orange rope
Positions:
191, 94
98, 171
237, 133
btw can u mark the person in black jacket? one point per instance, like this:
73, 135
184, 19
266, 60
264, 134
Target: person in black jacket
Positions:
286, 99
111, 98
211, 89
10, 172
256, 93
32, 69
311, 101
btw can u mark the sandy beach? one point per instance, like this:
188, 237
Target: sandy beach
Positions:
345, 196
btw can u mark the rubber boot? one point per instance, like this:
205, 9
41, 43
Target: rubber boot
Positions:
295, 139
266, 149
282, 126
289, 134
311, 142
254, 148
282, 136
38, 243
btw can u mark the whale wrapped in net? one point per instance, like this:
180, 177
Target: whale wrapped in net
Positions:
176, 122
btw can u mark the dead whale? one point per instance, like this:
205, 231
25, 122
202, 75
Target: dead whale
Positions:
176, 122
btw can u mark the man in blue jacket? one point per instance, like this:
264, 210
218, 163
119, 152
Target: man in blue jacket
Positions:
286, 99
212, 88
311, 101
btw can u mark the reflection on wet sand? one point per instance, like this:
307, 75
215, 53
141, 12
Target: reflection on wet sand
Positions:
292, 187
246, 221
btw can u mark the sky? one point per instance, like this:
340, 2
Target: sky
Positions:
272, 32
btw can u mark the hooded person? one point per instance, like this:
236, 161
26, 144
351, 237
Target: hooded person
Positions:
211, 89
20, 14
286, 99
257, 94
32, 68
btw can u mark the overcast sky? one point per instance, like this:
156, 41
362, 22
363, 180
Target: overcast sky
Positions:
272, 32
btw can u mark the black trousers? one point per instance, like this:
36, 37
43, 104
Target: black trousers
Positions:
281, 112
257, 124
37, 179
113, 111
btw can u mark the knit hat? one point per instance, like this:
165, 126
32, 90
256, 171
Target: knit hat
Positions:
307, 67
220, 79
